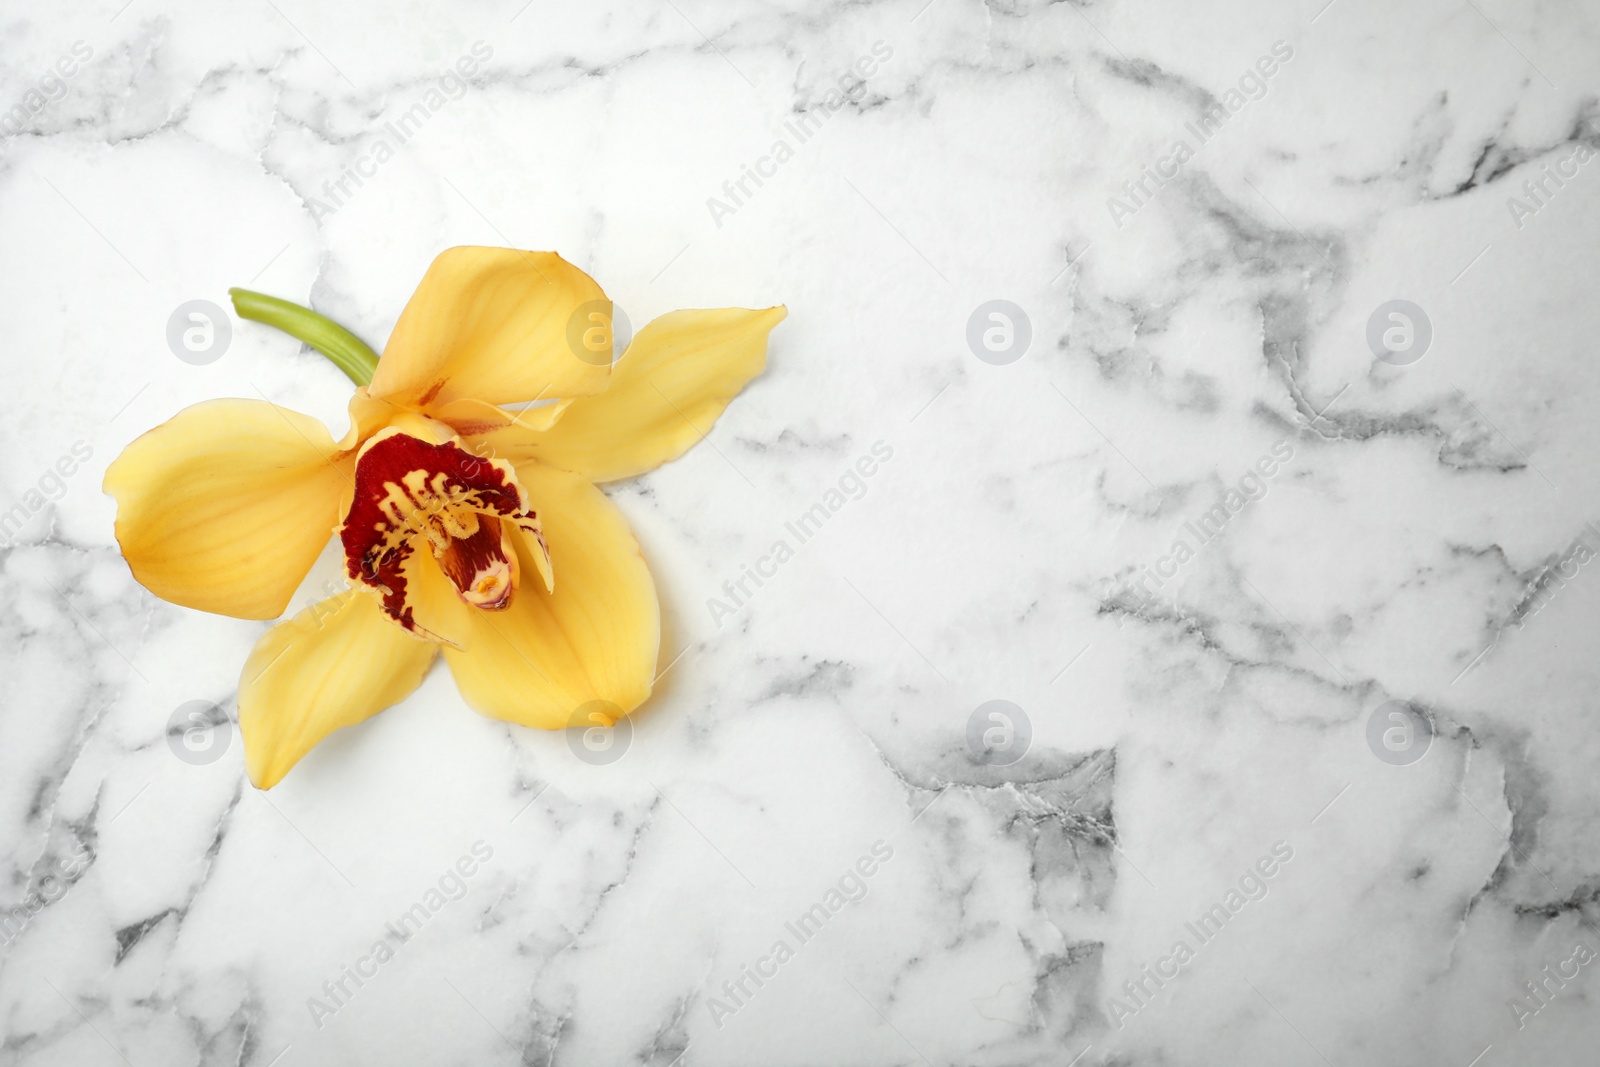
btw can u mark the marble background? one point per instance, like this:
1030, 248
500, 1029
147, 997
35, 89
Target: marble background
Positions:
1186, 725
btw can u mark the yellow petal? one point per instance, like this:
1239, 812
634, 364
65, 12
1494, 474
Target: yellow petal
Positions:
438, 612
495, 325
470, 417
335, 664
225, 506
676, 378
595, 637
368, 415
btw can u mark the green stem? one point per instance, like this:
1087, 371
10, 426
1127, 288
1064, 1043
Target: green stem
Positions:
344, 349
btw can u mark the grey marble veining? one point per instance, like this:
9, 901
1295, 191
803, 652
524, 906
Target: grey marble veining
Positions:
1316, 787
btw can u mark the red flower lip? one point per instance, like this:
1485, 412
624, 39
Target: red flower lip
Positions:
411, 492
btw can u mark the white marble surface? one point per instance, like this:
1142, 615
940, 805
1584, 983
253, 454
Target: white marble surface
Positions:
1411, 547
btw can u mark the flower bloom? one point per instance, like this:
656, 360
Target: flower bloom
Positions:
469, 521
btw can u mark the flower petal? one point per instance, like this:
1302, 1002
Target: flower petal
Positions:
433, 611
469, 417
335, 664
670, 386
595, 637
493, 324
225, 506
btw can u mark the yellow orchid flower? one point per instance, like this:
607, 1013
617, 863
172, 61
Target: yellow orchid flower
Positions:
467, 525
